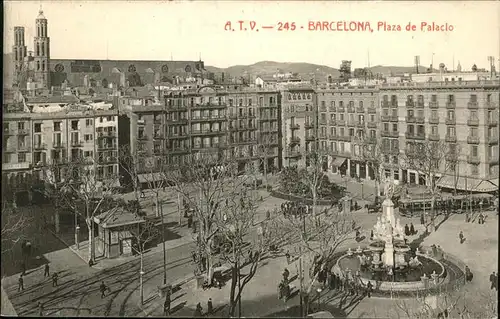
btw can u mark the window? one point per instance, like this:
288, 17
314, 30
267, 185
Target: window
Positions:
434, 114
101, 119
474, 150
451, 131
341, 116
323, 104
490, 151
386, 112
57, 126
451, 98
351, 132
74, 125
372, 118
434, 130
421, 130
474, 169
386, 127
360, 104
332, 103
411, 129
394, 127
451, 115
88, 137
473, 131
373, 134
38, 127
410, 113
20, 125
110, 118
420, 114
249, 102
395, 112
342, 147
21, 157
88, 122
434, 98
88, 153
473, 98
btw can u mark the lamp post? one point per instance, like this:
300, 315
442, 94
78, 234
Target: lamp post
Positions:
319, 298
77, 231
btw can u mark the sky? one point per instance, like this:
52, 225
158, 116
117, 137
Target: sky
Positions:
186, 30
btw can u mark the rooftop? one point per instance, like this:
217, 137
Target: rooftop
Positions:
118, 216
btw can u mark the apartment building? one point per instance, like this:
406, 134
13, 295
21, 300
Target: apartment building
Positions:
35, 140
347, 119
463, 114
299, 124
190, 121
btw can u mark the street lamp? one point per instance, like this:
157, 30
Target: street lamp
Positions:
319, 298
77, 231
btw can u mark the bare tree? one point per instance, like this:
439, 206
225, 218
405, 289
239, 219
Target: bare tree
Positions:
237, 229
143, 234
83, 190
13, 224
318, 241
372, 153
205, 180
265, 150
453, 165
314, 175
431, 159
129, 161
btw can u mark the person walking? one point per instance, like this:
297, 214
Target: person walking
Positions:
412, 229
493, 279
46, 272
461, 237
54, 279
23, 267
40, 309
20, 286
102, 289
407, 230
210, 306
369, 288
422, 220
287, 255
198, 312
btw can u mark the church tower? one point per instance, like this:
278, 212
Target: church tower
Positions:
42, 52
19, 51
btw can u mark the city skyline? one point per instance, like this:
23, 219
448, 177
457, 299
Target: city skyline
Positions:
200, 25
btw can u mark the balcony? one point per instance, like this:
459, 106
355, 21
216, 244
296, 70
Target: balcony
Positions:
394, 103
23, 148
176, 136
371, 140
295, 140
372, 125
242, 115
434, 137
413, 136
322, 122
493, 160
410, 119
293, 153
341, 109
410, 104
344, 138
450, 138
385, 103
340, 123
420, 104
420, 120
158, 137
310, 137
57, 145
333, 109
360, 109
472, 105
332, 122
434, 105
389, 134
309, 125
322, 136
360, 124
106, 134
106, 160
394, 118
351, 109
157, 121
251, 115
449, 121
39, 146
433, 120
473, 122
142, 137
22, 132
351, 123
322, 108
493, 140
332, 136
7, 132
492, 122
372, 110
15, 166
473, 159
491, 105
472, 140
105, 146
252, 127
208, 132
233, 116
385, 118
451, 104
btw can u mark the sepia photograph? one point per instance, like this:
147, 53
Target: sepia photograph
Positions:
250, 159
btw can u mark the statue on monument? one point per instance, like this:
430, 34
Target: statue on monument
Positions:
388, 189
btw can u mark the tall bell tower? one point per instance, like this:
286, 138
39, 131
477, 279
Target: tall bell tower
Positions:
19, 50
42, 52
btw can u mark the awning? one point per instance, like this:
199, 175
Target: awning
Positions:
494, 181
151, 177
486, 186
464, 184
338, 161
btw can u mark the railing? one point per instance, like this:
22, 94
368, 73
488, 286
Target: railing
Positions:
15, 166
449, 121
414, 136
493, 140
309, 125
360, 109
420, 104
420, 120
372, 110
322, 108
385, 118
372, 125
410, 104
451, 104
295, 139
332, 122
351, 109
143, 137
450, 138
492, 122
39, 146
394, 118
310, 137
22, 132
57, 145
351, 123
322, 122
360, 124
341, 122
433, 120
410, 119
473, 159
433, 105
491, 105
333, 109
472, 140
473, 122
434, 137
472, 105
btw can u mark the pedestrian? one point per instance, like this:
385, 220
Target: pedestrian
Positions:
20, 286
412, 229
166, 305
407, 230
493, 279
287, 255
461, 237
286, 274
358, 233
23, 267
210, 306
54, 279
422, 220
46, 272
369, 288
198, 312
40, 309
102, 289
371, 234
